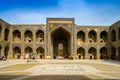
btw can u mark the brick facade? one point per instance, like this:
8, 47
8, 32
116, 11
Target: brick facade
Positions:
79, 42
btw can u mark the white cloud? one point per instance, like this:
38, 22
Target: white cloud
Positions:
84, 13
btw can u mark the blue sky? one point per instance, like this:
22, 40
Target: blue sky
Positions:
85, 12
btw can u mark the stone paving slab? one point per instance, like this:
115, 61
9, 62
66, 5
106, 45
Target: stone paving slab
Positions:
62, 69
66, 67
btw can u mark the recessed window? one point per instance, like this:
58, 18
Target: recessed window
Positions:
101, 41
90, 41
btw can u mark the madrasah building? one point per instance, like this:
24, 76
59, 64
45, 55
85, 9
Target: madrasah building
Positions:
60, 38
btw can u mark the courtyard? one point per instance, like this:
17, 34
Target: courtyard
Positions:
59, 69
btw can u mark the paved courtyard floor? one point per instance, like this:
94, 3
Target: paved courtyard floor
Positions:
59, 70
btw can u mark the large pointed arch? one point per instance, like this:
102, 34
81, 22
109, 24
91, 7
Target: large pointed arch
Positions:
61, 35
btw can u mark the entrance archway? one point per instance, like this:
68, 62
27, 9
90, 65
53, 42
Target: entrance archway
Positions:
81, 53
60, 40
113, 53
16, 52
119, 53
93, 53
0, 50
28, 50
40, 52
103, 53
6, 51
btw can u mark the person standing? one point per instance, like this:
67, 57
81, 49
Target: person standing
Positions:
27, 57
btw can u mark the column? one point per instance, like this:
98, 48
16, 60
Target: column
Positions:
116, 34
2, 34
98, 37
98, 53
22, 44
116, 53
2, 51
10, 39
22, 36
86, 37
34, 36
86, 54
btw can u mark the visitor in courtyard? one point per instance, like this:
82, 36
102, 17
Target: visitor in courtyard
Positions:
33, 57
24, 56
1, 57
54, 56
4, 58
27, 57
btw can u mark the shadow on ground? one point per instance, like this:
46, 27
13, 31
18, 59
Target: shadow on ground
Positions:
46, 77
8, 77
58, 77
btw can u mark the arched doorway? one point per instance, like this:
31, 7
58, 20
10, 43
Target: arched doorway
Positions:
6, 51
93, 53
16, 36
80, 37
40, 52
39, 36
113, 53
81, 53
92, 36
28, 36
103, 53
119, 34
104, 36
0, 31
119, 53
60, 39
29, 50
113, 35
16, 53
0, 50
6, 34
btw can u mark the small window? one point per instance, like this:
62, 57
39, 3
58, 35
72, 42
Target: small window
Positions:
90, 41
101, 41
29, 40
